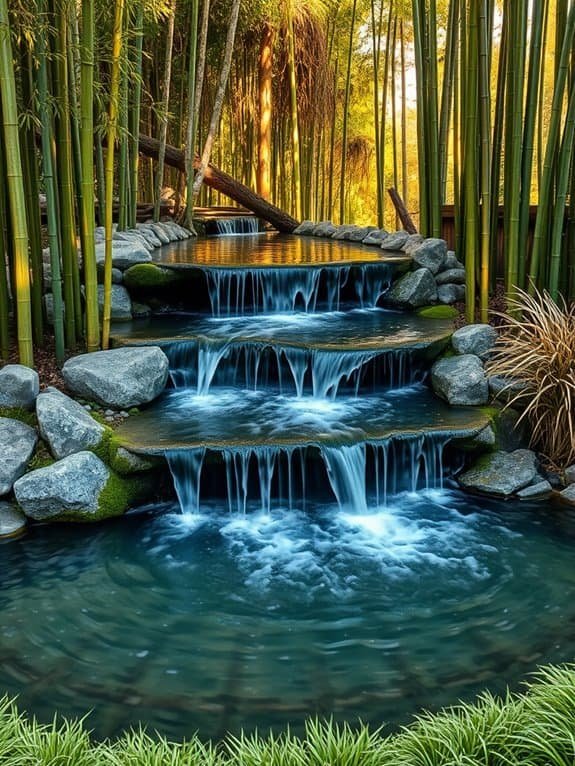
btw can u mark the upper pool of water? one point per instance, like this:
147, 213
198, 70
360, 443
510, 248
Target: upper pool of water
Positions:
217, 621
270, 251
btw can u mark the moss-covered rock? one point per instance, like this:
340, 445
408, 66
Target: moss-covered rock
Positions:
438, 312
78, 488
148, 276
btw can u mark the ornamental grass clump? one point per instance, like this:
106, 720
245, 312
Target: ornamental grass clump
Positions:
535, 352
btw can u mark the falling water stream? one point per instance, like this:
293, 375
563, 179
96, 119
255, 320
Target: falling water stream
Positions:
317, 558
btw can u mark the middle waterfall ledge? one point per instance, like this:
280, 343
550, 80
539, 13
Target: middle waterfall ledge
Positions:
276, 449
297, 351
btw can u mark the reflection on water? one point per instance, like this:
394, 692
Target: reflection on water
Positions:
214, 621
270, 250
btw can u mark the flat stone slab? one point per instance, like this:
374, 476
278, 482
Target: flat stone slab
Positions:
501, 473
228, 418
17, 443
120, 378
12, 520
356, 330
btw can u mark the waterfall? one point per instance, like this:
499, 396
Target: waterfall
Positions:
358, 476
201, 364
237, 225
237, 291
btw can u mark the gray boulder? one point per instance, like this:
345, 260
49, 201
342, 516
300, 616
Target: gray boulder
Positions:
414, 289
149, 234
132, 237
305, 228
17, 443
448, 294
538, 491
570, 474
451, 276
375, 237
395, 241
505, 389
342, 231
121, 303
460, 380
477, 339
120, 378
452, 261
12, 520
117, 275
359, 233
70, 490
324, 229
19, 386
161, 233
568, 495
412, 243
501, 473
65, 425
124, 254
431, 254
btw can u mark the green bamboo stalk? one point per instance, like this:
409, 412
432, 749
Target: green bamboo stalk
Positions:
404, 180
15, 183
64, 174
48, 142
496, 149
345, 124
296, 149
31, 191
87, 218
135, 112
4, 259
447, 94
485, 36
376, 34
533, 87
109, 168
564, 165
418, 42
470, 167
541, 235
165, 110
434, 176
383, 116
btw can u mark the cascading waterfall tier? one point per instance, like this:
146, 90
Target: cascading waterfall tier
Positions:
239, 225
272, 290
357, 475
199, 365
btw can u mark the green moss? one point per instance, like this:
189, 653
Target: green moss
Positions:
145, 276
123, 465
41, 458
17, 413
116, 497
438, 312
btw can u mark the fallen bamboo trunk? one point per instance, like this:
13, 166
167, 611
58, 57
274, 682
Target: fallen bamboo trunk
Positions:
224, 183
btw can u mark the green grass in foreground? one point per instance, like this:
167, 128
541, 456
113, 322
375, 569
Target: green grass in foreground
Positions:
535, 728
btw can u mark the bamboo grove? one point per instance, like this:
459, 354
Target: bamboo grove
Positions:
319, 105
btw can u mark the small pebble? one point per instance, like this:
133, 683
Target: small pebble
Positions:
109, 413
109, 419
124, 414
